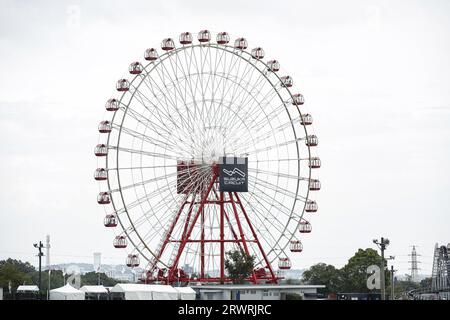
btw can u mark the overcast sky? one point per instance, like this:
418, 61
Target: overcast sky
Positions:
376, 76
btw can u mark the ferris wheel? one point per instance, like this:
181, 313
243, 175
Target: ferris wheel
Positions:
207, 149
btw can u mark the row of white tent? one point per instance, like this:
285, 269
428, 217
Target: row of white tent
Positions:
131, 291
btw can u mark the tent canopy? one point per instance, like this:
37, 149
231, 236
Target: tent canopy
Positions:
135, 291
66, 293
185, 293
94, 289
27, 288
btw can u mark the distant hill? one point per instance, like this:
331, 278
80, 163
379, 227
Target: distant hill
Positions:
119, 272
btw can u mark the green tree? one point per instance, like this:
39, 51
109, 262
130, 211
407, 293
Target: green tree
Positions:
325, 274
91, 278
56, 279
24, 267
11, 272
425, 283
354, 273
401, 287
239, 265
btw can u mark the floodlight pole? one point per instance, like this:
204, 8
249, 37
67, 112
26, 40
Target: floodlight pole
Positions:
382, 245
40, 254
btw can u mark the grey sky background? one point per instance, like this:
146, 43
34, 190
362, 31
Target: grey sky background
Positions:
375, 75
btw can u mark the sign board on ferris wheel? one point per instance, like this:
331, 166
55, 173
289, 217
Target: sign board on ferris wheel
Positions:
233, 174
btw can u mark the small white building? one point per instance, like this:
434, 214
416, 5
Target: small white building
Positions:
27, 292
256, 292
27, 288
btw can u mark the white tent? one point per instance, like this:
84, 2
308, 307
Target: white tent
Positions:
66, 293
134, 291
163, 292
94, 289
185, 293
27, 289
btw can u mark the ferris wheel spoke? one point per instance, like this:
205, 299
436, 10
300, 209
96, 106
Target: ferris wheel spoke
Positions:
231, 89
236, 129
186, 129
274, 218
158, 130
149, 83
258, 125
269, 217
176, 87
163, 224
189, 82
178, 65
268, 235
239, 89
166, 145
257, 88
211, 86
278, 174
266, 135
206, 62
141, 167
144, 153
259, 114
235, 60
267, 98
282, 144
259, 84
138, 201
193, 57
276, 188
143, 182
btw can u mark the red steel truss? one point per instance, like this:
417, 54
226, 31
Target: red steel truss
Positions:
197, 217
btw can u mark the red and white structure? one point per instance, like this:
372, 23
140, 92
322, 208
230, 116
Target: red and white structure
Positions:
195, 99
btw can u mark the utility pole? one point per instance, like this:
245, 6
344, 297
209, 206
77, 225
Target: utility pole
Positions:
382, 245
392, 282
40, 254
47, 264
392, 276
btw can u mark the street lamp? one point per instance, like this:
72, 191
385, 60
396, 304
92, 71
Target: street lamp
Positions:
382, 244
40, 254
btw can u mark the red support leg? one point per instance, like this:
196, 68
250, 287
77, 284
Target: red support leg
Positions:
241, 231
188, 217
169, 233
202, 244
188, 234
274, 278
222, 238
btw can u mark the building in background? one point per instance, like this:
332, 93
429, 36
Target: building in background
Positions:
97, 262
257, 292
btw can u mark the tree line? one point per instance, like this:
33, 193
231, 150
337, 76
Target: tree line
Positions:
14, 273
